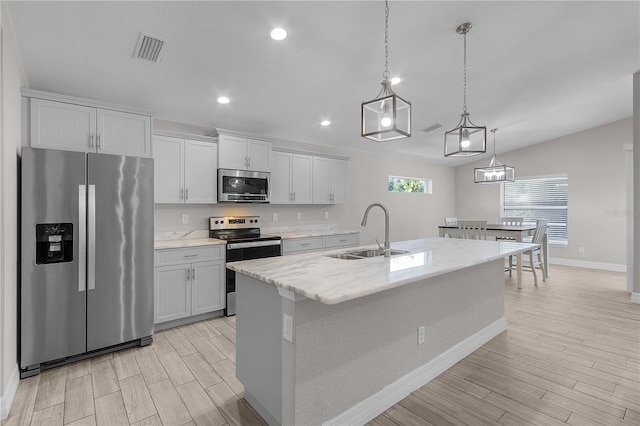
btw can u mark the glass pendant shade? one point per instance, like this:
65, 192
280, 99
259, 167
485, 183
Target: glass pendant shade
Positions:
496, 172
466, 139
387, 117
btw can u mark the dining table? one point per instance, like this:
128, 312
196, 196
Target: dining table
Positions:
515, 232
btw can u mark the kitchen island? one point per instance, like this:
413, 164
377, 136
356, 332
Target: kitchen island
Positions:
325, 338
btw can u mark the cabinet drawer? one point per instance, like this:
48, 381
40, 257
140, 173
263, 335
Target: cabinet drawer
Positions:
188, 255
302, 244
341, 240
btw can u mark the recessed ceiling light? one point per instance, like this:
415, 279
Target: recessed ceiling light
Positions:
278, 34
325, 123
395, 80
223, 100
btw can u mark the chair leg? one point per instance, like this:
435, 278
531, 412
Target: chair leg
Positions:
533, 268
544, 271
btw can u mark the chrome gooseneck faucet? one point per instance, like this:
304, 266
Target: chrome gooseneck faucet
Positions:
387, 245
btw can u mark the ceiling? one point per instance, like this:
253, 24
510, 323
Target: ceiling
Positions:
536, 70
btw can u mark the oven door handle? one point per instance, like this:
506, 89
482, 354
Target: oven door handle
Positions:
264, 243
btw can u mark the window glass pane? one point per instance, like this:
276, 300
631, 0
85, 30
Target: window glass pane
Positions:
539, 198
409, 184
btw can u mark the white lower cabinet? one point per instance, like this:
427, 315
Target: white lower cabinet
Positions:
188, 282
321, 243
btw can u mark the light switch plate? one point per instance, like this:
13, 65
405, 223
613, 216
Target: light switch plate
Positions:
299, 215
185, 219
274, 217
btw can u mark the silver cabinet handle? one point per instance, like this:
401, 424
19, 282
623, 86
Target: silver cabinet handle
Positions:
82, 237
188, 271
91, 222
291, 196
189, 256
186, 194
99, 144
91, 141
181, 196
193, 273
294, 196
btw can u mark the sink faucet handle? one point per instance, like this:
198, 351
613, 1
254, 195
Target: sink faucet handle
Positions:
379, 246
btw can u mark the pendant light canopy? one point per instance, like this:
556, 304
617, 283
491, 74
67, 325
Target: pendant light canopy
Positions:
496, 172
388, 116
466, 139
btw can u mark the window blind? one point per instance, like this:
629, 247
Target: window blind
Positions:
539, 198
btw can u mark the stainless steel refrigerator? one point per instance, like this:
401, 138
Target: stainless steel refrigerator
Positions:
86, 255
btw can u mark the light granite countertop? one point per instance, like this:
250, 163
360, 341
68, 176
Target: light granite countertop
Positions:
329, 280
189, 242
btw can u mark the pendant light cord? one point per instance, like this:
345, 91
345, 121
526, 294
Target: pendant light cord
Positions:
464, 96
386, 40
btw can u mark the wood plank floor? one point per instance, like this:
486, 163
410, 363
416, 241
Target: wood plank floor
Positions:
571, 355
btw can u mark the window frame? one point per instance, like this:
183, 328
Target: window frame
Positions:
557, 242
428, 184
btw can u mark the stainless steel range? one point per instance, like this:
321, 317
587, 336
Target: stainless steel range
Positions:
244, 242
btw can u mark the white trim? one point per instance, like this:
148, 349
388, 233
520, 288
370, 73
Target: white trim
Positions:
181, 135
635, 298
7, 399
30, 93
613, 267
377, 403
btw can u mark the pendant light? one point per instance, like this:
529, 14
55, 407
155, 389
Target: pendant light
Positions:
466, 139
388, 116
496, 172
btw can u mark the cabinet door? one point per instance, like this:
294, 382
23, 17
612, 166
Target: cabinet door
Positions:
301, 169
200, 172
123, 133
259, 154
172, 293
281, 178
321, 180
232, 152
338, 181
207, 289
59, 125
168, 167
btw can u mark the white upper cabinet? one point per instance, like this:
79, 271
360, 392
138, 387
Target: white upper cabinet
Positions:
185, 170
238, 153
72, 126
291, 178
329, 180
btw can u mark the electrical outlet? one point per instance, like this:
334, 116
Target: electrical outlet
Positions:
299, 215
581, 250
421, 335
185, 219
287, 328
275, 217
326, 215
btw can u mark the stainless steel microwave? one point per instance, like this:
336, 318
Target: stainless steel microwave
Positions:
243, 186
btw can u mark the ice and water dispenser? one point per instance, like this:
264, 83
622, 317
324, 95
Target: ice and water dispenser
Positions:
54, 243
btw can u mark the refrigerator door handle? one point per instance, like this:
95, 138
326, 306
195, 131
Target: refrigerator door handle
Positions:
82, 238
91, 222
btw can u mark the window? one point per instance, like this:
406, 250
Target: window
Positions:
409, 184
539, 198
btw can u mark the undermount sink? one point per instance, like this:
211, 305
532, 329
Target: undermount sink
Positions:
364, 254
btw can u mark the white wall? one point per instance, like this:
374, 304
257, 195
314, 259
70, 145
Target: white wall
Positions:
412, 215
10, 117
636, 186
595, 164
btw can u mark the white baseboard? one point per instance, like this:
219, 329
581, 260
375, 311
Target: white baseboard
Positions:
10, 392
635, 298
614, 267
377, 403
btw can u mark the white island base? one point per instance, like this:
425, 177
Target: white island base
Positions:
348, 362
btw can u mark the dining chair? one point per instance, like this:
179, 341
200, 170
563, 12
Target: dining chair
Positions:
451, 221
472, 229
513, 221
535, 254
